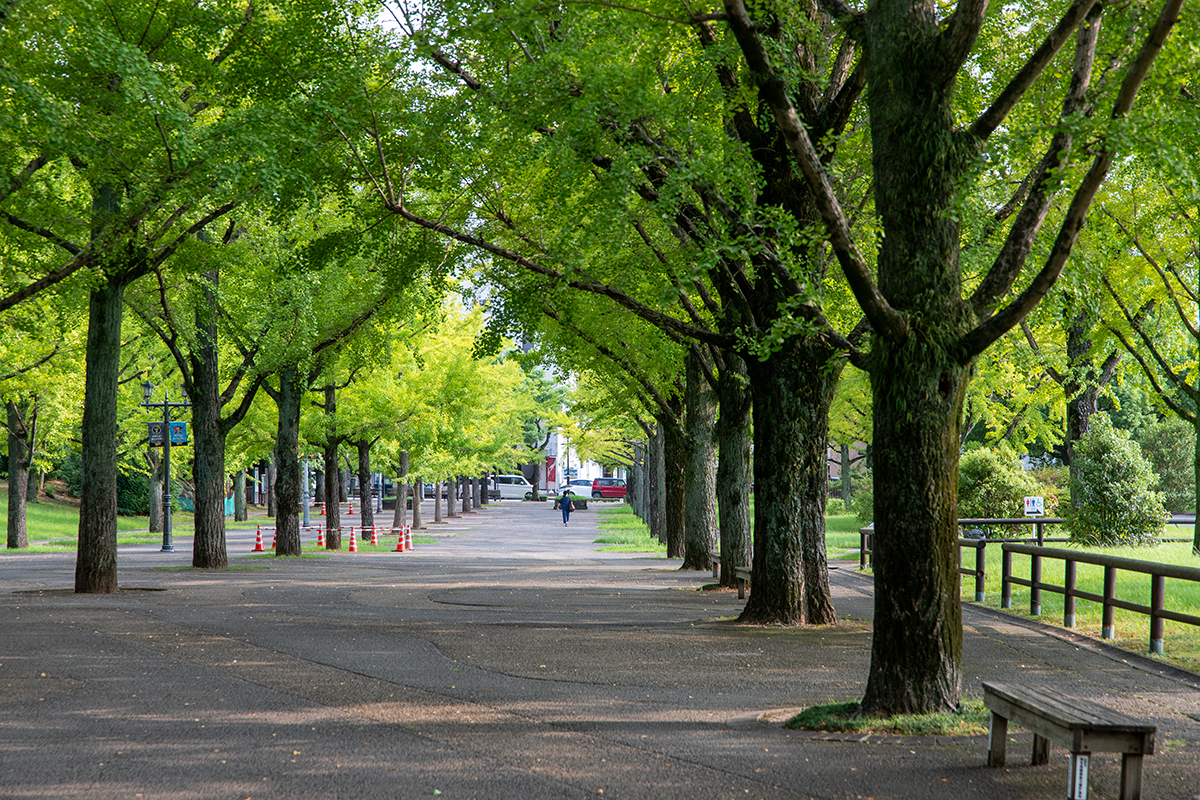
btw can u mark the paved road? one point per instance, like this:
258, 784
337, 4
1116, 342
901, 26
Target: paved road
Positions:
509, 660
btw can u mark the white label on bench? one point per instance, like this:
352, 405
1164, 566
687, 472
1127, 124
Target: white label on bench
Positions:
1079, 777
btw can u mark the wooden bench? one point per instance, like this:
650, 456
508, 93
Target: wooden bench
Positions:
715, 557
1082, 726
741, 576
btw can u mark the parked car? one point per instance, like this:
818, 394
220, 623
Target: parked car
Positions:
608, 487
580, 486
513, 487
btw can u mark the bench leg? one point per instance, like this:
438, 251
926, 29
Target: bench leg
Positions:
997, 740
1131, 776
741, 584
1077, 777
1041, 751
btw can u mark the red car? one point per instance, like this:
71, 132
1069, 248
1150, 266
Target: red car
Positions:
608, 487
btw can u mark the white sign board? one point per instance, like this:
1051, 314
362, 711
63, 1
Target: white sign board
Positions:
1035, 507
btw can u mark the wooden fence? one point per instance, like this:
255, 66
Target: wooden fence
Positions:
1158, 574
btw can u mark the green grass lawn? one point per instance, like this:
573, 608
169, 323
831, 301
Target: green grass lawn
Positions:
53, 525
623, 532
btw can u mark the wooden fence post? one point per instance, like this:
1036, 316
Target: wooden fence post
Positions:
1069, 595
1005, 583
1108, 629
1158, 592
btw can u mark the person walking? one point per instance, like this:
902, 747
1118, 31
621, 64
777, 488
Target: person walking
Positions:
567, 504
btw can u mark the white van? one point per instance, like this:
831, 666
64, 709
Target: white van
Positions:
513, 487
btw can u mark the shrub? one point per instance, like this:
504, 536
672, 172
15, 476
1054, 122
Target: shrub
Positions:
835, 505
1054, 483
1113, 501
863, 504
132, 493
1170, 448
992, 485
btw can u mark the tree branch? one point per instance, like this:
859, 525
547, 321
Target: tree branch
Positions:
15, 182
981, 337
960, 33
1019, 242
990, 119
651, 315
884, 319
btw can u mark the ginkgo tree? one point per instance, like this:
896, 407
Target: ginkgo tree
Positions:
128, 129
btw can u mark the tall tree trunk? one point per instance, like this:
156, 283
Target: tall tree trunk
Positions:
1083, 380
637, 479
656, 513
319, 480
539, 463
208, 437
33, 480
96, 563
451, 499
917, 383
847, 486
793, 390
272, 510
674, 461
437, 502
287, 464
329, 460
400, 515
239, 496
916, 649
155, 485
344, 485
18, 464
366, 487
483, 489
466, 494
34, 484
700, 471
733, 468
1196, 480
418, 494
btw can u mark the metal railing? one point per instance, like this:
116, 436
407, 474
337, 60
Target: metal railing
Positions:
1158, 574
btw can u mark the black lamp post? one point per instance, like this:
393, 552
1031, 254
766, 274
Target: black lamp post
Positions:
147, 388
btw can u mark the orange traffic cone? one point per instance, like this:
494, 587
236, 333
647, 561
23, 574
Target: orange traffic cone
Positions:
350, 508
322, 508
408, 537
399, 540
374, 537
258, 543
353, 544
274, 538
320, 537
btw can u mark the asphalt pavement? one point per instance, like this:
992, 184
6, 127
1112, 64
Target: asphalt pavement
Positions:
510, 659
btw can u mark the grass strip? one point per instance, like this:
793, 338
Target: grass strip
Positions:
623, 532
970, 720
